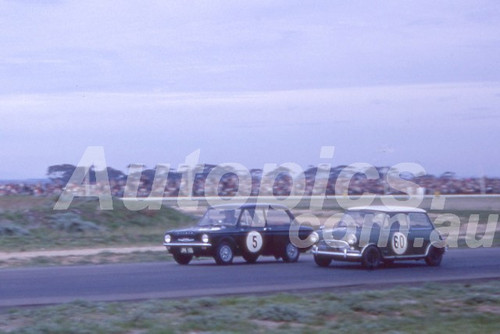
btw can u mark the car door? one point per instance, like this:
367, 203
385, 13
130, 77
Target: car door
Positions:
419, 233
277, 227
399, 237
252, 231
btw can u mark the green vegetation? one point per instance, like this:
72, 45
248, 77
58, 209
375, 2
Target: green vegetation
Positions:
105, 257
431, 308
28, 223
465, 217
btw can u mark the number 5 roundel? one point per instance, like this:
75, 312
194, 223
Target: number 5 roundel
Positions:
254, 241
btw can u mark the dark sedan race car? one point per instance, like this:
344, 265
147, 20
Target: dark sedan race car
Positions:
247, 230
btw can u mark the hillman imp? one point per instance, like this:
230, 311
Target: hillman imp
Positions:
248, 230
378, 234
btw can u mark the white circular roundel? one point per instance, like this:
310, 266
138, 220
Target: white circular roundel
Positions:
399, 243
254, 241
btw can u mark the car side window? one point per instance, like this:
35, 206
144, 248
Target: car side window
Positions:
245, 219
399, 221
419, 220
259, 218
277, 217
380, 219
253, 218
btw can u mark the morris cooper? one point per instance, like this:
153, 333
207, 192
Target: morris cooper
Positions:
377, 234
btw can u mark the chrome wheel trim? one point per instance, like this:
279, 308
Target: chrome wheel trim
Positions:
291, 251
225, 253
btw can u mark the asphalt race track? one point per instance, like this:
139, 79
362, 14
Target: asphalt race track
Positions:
37, 286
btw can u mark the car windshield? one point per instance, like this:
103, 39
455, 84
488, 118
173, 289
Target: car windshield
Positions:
358, 218
220, 216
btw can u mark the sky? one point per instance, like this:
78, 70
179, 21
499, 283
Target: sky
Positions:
250, 82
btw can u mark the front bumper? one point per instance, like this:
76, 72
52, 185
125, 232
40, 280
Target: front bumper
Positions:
339, 254
187, 244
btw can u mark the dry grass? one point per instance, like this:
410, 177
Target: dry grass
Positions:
431, 308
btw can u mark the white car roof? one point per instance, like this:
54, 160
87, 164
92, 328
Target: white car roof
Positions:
383, 208
249, 205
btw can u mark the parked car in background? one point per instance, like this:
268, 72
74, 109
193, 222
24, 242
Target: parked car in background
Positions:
377, 234
248, 230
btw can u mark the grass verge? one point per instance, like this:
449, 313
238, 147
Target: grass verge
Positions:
430, 308
99, 258
32, 224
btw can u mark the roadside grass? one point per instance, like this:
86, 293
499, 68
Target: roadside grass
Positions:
431, 308
36, 227
30, 223
466, 217
99, 258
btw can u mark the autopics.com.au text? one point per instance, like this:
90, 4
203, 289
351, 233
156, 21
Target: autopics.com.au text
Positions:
413, 195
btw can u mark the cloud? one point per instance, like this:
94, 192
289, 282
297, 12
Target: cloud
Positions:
307, 106
258, 81
73, 46
414, 122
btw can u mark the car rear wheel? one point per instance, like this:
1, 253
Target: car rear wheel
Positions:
250, 258
434, 256
322, 261
371, 257
182, 258
290, 253
224, 253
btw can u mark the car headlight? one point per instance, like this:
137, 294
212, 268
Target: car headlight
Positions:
204, 238
167, 238
351, 239
314, 237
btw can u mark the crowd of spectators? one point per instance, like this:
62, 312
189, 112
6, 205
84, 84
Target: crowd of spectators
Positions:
279, 183
29, 189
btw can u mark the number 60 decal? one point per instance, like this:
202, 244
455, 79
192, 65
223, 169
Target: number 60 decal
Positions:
254, 241
399, 243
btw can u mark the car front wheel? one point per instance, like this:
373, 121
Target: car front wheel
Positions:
224, 253
182, 258
434, 257
290, 253
371, 257
322, 261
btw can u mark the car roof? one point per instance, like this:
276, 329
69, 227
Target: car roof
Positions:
383, 208
249, 206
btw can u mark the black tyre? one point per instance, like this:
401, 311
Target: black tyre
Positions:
371, 257
434, 256
224, 253
290, 253
250, 258
322, 261
182, 258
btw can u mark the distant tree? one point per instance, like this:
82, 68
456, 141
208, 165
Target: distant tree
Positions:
115, 174
448, 176
60, 173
